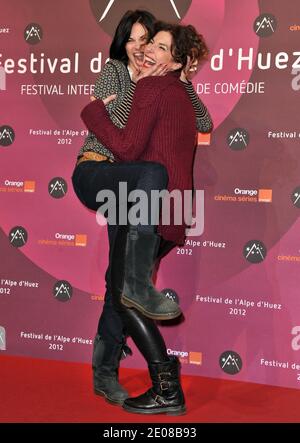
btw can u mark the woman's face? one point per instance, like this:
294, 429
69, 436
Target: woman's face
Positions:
135, 46
158, 51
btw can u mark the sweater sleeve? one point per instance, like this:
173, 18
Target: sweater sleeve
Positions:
203, 119
108, 83
128, 143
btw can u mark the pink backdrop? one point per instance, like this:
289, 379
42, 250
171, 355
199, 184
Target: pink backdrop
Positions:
241, 316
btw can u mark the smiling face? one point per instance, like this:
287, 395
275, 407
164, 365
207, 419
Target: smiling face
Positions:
158, 51
135, 46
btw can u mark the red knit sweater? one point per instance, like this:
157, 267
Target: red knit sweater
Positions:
161, 128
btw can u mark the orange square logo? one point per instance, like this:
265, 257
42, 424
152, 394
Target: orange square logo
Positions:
204, 139
265, 195
80, 240
29, 186
195, 358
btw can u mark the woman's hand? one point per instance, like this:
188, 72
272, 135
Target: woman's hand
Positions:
190, 70
106, 100
159, 70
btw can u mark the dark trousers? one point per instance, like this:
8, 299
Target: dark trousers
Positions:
88, 179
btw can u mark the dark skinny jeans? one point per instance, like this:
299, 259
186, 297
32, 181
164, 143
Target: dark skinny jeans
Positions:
88, 178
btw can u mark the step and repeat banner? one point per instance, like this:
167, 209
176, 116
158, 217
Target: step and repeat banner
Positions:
237, 279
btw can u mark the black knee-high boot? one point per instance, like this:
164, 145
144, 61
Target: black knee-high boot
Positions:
109, 345
106, 361
166, 395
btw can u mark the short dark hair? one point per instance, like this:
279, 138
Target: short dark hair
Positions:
117, 49
186, 41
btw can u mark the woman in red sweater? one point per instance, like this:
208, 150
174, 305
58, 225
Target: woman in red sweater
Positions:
160, 128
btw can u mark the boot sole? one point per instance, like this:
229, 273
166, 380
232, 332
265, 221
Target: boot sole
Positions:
131, 304
109, 400
176, 410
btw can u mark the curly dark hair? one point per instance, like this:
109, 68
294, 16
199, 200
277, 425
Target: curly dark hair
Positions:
186, 41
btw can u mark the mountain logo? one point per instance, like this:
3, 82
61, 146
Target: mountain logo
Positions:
171, 295
57, 187
62, 290
18, 236
108, 13
33, 33
230, 362
238, 139
296, 197
255, 251
7, 135
265, 25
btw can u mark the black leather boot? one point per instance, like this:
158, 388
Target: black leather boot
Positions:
165, 396
138, 290
106, 360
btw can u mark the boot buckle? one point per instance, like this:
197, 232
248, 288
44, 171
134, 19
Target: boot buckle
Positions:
158, 399
164, 385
